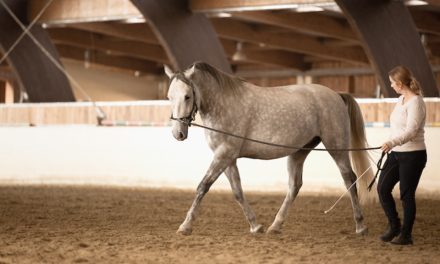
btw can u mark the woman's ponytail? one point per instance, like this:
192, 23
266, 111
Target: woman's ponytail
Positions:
414, 86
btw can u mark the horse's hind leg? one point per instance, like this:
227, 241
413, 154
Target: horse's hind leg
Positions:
234, 179
295, 168
344, 165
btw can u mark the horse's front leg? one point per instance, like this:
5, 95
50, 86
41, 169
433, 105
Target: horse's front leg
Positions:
218, 165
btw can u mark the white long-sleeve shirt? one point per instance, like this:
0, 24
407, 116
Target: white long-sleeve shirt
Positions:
407, 123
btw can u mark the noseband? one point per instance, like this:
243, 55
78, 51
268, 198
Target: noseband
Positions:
192, 115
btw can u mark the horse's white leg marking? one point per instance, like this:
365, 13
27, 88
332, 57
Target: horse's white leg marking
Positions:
343, 162
295, 168
218, 165
234, 179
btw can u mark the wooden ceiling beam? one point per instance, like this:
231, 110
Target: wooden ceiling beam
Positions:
278, 58
426, 21
302, 44
138, 32
435, 51
433, 39
207, 6
303, 22
88, 40
74, 11
131, 32
101, 58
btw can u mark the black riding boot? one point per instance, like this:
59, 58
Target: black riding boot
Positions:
405, 237
392, 231
402, 239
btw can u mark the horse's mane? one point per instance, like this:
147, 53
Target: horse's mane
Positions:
225, 81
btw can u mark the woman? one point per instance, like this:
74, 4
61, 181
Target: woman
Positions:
407, 158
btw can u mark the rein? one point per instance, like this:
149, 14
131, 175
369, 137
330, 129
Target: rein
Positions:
190, 123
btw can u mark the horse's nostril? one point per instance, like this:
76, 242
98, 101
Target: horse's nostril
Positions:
181, 135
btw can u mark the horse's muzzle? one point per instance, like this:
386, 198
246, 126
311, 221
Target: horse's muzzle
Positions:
180, 136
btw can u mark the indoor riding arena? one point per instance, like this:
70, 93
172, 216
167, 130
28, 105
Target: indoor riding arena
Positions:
217, 131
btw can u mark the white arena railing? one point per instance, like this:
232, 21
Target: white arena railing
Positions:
156, 113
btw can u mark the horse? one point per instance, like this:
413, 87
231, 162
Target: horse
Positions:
295, 115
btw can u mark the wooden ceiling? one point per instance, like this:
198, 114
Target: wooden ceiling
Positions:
267, 37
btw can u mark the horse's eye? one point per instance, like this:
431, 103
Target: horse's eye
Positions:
186, 97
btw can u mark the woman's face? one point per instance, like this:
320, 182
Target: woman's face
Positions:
397, 86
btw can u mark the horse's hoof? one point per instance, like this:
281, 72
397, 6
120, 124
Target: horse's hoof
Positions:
257, 229
362, 231
184, 231
273, 231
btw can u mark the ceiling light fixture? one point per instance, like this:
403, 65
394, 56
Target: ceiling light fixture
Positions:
424, 41
415, 3
87, 58
134, 20
238, 54
219, 14
308, 8
256, 7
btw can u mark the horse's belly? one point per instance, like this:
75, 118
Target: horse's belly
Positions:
265, 153
273, 150
283, 139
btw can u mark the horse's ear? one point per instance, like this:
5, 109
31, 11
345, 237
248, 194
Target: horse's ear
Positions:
168, 71
190, 71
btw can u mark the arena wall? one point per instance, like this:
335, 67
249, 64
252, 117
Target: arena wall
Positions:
137, 151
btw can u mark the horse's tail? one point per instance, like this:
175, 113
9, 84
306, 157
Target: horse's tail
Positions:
360, 160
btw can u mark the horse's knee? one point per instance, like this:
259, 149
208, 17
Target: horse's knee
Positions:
348, 175
298, 184
239, 197
203, 188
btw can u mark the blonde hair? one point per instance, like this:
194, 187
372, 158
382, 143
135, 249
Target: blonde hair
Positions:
405, 76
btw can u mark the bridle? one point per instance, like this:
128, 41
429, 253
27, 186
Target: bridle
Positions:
192, 115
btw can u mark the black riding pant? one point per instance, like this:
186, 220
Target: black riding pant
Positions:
406, 168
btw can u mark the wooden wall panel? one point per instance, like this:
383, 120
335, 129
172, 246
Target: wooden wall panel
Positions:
2, 91
338, 83
365, 86
437, 79
157, 113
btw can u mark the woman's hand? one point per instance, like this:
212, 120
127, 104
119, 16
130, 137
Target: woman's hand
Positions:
385, 148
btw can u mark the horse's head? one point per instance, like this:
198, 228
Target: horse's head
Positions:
182, 95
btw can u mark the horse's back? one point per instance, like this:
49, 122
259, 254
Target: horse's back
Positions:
313, 97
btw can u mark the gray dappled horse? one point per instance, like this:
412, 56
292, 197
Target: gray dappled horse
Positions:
294, 115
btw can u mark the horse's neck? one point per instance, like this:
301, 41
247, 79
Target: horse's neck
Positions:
228, 113
215, 104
